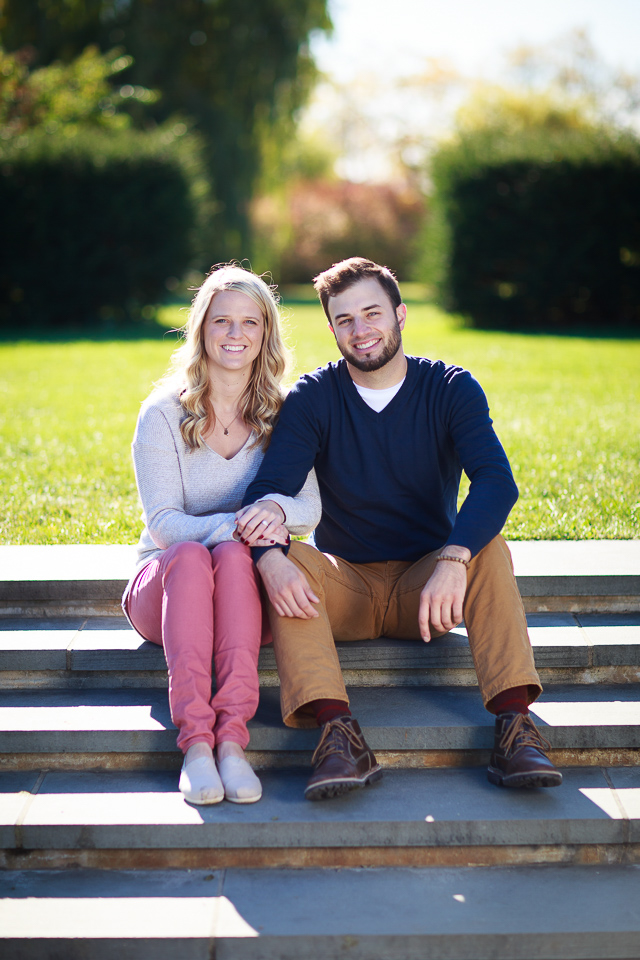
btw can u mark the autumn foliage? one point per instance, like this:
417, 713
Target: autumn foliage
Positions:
322, 221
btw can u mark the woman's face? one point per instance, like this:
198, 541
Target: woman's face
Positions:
233, 331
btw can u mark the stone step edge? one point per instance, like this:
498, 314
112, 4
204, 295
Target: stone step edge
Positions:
99, 590
86, 652
326, 857
414, 759
585, 572
398, 739
112, 811
607, 603
461, 678
115, 562
426, 718
395, 914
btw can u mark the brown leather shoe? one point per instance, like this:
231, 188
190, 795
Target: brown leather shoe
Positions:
342, 761
518, 758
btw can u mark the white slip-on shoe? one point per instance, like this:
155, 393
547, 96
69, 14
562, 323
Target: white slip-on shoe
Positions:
240, 782
199, 781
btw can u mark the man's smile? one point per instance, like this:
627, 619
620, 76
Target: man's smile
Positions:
367, 344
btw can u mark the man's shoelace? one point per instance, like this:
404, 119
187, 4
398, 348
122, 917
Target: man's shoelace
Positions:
329, 744
524, 730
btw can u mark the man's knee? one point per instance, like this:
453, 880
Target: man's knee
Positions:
495, 553
308, 559
492, 569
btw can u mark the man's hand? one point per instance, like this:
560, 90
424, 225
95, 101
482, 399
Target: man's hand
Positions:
443, 595
287, 586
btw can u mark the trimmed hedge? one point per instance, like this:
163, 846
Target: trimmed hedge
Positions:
92, 226
538, 232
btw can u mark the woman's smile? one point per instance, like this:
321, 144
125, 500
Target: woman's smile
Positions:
233, 331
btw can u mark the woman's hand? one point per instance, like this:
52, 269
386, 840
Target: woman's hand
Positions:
261, 524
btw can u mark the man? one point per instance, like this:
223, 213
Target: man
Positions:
388, 436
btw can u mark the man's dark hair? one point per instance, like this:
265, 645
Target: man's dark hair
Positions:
343, 275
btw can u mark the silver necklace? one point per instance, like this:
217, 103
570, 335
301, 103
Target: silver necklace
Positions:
226, 429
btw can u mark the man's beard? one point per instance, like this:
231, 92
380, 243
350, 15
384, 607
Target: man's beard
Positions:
388, 352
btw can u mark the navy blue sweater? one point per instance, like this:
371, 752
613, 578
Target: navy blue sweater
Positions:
389, 481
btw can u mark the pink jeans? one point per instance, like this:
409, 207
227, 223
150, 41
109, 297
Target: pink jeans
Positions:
204, 608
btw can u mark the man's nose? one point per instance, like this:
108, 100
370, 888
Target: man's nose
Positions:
360, 326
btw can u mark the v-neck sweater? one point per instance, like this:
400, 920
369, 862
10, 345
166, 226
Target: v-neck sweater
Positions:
389, 481
193, 494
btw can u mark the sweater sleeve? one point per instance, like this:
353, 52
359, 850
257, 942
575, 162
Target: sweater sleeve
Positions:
303, 511
492, 490
160, 485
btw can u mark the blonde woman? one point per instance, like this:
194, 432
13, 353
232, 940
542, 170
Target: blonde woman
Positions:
199, 441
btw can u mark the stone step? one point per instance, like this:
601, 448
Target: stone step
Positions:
105, 651
590, 575
498, 913
430, 862
439, 817
431, 726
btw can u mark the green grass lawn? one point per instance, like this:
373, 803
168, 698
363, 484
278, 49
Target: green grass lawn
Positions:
566, 408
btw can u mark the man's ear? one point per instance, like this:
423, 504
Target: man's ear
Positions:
401, 314
330, 325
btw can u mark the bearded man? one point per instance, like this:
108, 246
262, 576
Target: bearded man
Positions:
389, 436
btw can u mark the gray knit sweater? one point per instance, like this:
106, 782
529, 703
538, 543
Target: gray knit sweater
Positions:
193, 494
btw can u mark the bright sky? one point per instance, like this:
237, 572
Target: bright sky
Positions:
396, 35
380, 41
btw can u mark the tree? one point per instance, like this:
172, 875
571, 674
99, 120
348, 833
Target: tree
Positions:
238, 69
572, 68
67, 147
63, 95
319, 222
508, 112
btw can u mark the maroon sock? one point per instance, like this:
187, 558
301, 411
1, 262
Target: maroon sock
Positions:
326, 710
514, 700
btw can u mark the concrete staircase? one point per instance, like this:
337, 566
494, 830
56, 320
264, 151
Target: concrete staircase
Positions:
101, 857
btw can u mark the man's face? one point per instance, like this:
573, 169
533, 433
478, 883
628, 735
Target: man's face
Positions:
366, 326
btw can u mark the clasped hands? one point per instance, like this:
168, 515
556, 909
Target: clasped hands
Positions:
261, 524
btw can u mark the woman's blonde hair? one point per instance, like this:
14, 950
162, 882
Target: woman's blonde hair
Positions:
262, 398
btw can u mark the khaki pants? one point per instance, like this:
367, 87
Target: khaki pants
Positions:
363, 601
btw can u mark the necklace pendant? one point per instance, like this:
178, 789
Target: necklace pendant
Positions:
226, 432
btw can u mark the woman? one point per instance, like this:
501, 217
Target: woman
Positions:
199, 441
